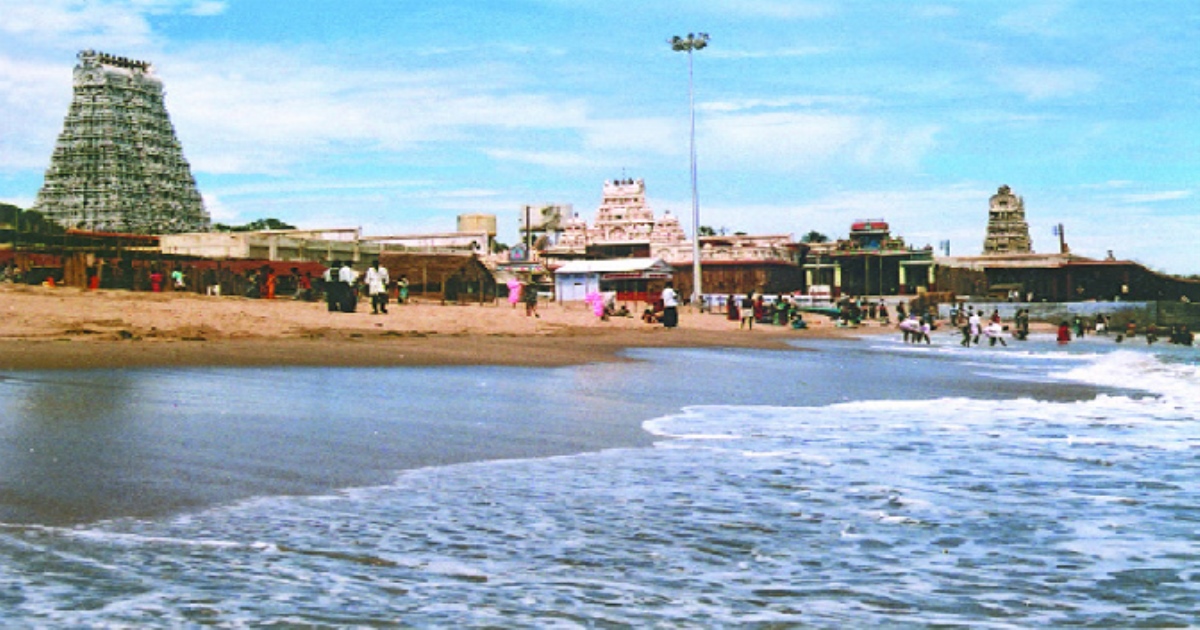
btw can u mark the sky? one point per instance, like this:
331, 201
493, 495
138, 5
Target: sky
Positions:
397, 116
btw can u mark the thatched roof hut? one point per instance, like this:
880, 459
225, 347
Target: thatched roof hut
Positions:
445, 277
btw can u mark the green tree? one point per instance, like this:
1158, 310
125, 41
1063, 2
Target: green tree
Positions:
254, 226
814, 236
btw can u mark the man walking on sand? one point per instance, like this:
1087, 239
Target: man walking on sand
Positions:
377, 283
670, 300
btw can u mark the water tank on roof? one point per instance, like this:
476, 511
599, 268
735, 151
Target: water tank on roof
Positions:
477, 223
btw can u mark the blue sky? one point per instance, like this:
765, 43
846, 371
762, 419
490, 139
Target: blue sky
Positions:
398, 116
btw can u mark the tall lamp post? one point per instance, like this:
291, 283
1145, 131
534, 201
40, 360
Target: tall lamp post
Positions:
688, 44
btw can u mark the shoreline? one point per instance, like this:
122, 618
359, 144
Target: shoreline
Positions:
66, 328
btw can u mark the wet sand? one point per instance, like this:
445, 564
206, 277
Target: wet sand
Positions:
65, 328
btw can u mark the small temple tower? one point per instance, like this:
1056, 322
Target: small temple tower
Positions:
1007, 230
117, 165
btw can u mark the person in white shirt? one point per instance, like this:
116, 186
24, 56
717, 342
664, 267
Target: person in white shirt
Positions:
975, 323
670, 300
994, 332
377, 283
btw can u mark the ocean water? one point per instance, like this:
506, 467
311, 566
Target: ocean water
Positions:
846, 484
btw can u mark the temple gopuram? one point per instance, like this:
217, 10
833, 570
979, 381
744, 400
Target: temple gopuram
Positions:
623, 223
117, 165
1007, 230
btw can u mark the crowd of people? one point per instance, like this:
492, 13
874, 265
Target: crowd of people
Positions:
752, 309
342, 288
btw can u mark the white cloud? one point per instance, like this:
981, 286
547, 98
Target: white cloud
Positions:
64, 22
773, 9
29, 127
1154, 197
936, 11
664, 136
783, 103
207, 8
261, 110
801, 141
1037, 18
778, 53
549, 159
219, 212
1046, 83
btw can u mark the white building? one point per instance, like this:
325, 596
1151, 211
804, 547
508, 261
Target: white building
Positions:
574, 280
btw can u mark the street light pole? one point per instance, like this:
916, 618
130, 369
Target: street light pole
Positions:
688, 44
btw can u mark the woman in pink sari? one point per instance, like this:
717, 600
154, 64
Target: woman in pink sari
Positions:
514, 291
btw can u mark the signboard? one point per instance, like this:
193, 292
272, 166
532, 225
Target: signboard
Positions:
637, 275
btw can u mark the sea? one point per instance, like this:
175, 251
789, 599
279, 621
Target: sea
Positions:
841, 484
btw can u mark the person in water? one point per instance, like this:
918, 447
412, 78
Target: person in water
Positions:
1064, 332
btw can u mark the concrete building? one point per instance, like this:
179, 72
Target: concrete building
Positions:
275, 245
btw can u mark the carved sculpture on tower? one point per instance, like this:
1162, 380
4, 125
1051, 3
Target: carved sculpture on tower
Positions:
1007, 230
117, 165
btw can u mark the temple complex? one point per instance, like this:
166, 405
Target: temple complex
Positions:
870, 261
626, 227
1007, 230
117, 165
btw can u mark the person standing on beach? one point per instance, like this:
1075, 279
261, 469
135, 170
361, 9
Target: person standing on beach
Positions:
747, 311
329, 279
346, 278
1022, 322
333, 293
975, 323
156, 280
1064, 333
670, 302
377, 282
530, 297
514, 291
994, 332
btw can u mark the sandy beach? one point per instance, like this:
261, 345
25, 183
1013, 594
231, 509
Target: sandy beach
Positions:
63, 327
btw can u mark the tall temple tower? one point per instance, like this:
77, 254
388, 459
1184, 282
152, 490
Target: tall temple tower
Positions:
623, 217
117, 165
1007, 230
